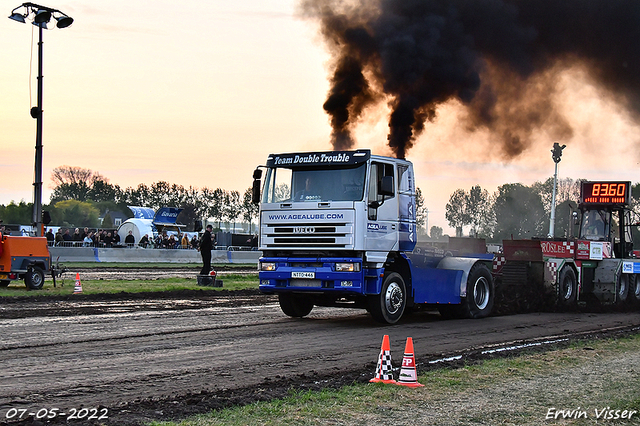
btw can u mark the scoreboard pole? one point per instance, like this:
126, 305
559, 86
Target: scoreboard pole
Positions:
552, 220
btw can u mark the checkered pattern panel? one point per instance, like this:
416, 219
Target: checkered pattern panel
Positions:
384, 370
553, 270
569, 246
498, 262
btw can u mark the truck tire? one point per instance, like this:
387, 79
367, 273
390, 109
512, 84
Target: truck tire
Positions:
5, 283
34, 279
634, 290
294, 305
388, 306
567, 287
622, 289
480, 293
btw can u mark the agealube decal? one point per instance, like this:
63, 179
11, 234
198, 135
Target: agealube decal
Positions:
306, 216
376, 227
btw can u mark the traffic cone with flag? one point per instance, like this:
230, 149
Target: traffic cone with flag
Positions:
78, 288
384, 373
408, 375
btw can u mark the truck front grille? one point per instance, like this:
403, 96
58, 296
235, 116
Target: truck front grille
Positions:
305, 235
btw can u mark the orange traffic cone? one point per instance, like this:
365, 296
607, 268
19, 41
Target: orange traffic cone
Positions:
384, 371
78, 288
408, 375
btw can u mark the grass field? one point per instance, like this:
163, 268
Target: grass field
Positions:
231, 282
588, 383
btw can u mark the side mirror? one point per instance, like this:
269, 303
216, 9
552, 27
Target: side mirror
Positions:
386, 186
255, 191
255, 188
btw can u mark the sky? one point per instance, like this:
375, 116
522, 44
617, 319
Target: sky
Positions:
198, 94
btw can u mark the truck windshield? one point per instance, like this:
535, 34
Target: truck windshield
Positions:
302, 185
595, 225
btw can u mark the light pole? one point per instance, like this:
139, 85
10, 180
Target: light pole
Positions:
40, 15
556, 154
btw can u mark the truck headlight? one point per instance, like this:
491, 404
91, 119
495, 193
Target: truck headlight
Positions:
267, 266
347, 267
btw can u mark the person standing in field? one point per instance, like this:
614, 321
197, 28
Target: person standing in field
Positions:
206, 245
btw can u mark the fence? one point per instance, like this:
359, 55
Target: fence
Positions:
141, 255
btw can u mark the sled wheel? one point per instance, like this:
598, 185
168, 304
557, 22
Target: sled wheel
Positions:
568, 287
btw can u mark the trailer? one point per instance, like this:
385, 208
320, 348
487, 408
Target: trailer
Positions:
24, 258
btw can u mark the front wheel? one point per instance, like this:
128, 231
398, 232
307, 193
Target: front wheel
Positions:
388, 306
34, 279
294, 305
480, 293
568, 287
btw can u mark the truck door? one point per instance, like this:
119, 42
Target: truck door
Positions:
382, 210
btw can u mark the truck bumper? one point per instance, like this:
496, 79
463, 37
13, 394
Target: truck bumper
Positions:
318, 275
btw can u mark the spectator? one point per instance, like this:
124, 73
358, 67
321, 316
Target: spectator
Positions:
130, 240
66, 237
194, 242
185, 241
58, 238
206, 245
88, 241
144, 241
85, 232
116, 238
108, 240
76, 237
171, 242
50, 237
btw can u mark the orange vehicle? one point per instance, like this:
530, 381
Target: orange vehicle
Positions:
24, 258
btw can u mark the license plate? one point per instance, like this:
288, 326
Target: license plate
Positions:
4, 276
306, 275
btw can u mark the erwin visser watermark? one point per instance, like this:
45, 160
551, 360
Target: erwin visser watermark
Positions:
604, 413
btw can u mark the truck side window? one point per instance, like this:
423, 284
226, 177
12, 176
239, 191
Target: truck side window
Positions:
378, 170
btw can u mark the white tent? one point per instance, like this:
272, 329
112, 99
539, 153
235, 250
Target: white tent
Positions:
139, 227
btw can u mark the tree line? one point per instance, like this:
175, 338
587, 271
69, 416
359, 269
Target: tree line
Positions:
518, 211
81, 196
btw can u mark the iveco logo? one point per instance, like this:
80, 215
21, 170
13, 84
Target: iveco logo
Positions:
304, 230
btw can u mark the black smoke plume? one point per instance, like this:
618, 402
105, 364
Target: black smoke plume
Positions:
501, 59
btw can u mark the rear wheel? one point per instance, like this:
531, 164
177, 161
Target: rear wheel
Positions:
294, 305
480, 293
388, 306
34, 279
4, 283
634, 289
622, 289
568, 287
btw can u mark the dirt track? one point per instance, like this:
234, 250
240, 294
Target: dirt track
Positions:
167, 356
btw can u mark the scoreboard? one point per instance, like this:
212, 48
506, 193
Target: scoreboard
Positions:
605, 193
